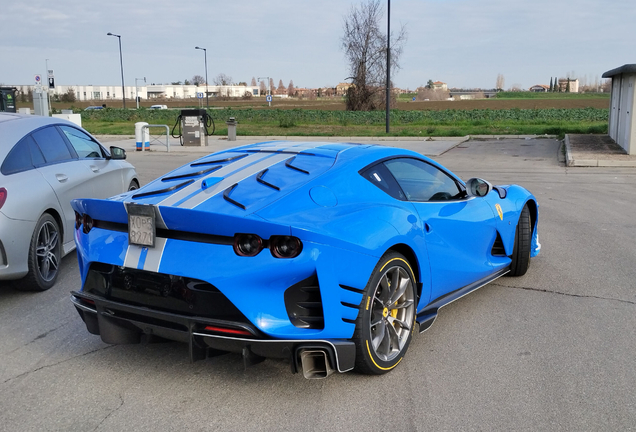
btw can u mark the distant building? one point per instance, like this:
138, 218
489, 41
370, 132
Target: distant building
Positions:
438, 85
574, 85
341, 89
540, 88
161, 91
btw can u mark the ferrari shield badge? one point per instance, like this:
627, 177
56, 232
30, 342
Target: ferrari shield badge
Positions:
498, 207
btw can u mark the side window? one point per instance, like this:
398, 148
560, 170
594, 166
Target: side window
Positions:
84, 145
421, 181
52, 145
380, 176
18, 159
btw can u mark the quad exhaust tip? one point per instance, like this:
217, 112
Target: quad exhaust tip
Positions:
315, 364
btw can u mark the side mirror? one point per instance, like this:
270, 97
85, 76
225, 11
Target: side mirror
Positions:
117, 153
478, 187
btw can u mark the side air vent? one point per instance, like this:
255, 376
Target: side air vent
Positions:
498, 247
304, 304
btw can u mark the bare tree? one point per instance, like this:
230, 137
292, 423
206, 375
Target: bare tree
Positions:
501, 82
197, 80
272, 87
263, 88
290, 89
364, 46
222, 80
253, 84
281, 87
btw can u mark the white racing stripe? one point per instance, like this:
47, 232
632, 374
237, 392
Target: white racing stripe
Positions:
196, 185
153, 258
234, 178
132, 256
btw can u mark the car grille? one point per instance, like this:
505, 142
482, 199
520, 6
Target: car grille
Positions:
161, 292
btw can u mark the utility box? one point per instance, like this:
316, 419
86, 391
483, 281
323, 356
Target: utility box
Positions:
7, 99
193, 127
622, 122
231, 129
41, 102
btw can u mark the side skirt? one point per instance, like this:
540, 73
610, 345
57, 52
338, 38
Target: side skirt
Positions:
427, 316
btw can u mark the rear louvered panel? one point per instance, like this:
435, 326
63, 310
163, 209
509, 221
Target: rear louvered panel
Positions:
304, 304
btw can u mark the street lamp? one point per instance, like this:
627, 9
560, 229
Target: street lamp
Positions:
137, 90
205, 55
388, 65
121, 64
269, 90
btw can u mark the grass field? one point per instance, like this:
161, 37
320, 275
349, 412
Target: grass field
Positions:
544, 114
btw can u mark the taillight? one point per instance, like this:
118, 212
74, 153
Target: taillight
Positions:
247, 245
285, 246
78, 220
88, 223
3, 196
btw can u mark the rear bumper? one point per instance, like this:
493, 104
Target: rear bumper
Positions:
119, 323
15, 238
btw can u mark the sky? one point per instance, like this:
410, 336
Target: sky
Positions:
464, 43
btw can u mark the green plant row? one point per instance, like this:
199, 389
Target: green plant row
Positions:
287, 118
550, 95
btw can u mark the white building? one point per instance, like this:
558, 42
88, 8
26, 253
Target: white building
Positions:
167, 91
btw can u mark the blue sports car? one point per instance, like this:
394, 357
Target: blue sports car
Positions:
330, 255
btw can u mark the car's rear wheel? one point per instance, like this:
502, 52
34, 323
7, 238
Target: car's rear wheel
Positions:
386, 320
45, 253
523, 244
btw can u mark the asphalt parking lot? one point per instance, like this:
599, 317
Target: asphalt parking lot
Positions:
552, 350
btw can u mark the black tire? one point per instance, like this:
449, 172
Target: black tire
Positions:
45, 255
523, 244
134, 185
386, 320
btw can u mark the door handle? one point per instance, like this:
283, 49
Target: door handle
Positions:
427, 227
61, 177
94, 168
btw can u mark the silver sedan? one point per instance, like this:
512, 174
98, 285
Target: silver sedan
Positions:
44, 164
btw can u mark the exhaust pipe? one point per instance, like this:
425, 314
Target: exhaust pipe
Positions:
315, 364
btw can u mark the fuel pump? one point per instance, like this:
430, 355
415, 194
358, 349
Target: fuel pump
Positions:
193, 127
7, 99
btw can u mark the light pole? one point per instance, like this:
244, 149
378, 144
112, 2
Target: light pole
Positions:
137, 90
269, 90
48, 90
205, 55
388, 65
121, 64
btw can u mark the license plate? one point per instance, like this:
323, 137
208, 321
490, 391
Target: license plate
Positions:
141, 225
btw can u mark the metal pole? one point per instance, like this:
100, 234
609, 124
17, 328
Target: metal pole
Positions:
121, 64
207, 93
48, 92
205, 56
388, 66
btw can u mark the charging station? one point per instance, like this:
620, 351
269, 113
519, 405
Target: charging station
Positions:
193, 127
7, 99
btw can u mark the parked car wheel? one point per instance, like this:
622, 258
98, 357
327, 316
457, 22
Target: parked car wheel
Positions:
386, 320
523, 242
45, 254
134, 185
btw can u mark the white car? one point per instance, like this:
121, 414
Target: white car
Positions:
159, 107
44, 164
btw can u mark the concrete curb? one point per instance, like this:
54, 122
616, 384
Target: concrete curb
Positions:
572, 162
